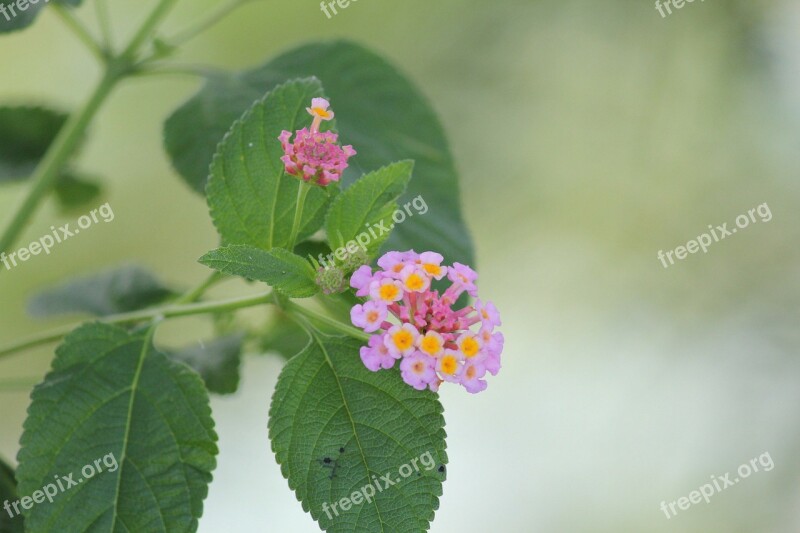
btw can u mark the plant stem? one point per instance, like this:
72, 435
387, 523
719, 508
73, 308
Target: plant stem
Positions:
49, 169
187, 34
171, 311
65, 143
103, 20
196, 293
302, 193
147, 28
80, 31
332, 323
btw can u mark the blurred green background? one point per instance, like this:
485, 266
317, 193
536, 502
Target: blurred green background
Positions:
590, 136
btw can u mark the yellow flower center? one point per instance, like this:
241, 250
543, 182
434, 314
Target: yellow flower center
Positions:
320, 112
431, 345
403, 340
389, 292
433, 270
471, 372
470, 347
372, 316
449, 365
414, 282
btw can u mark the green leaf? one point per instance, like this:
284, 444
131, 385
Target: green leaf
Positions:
252, 199
12, 18
124, 289
378, 110
365, 208
25, 135
216, 361
112, 399
73, 191
334, 425
281, 269
8, 493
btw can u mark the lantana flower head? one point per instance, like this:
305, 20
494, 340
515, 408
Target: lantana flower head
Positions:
315, 156
413, 322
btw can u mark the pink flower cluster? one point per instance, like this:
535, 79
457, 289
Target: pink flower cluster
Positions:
314, 156
418, 326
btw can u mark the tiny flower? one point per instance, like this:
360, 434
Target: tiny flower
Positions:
401, 339
449, 366
463, 277
469, 345
369, 316
361, 279
320, 110
431, 264
386, 290
489, 315
471, 377
431, 344
395, 262
418, 371
414, 279
494, 348
376, 355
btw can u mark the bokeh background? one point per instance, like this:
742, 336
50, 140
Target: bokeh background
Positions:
589, 136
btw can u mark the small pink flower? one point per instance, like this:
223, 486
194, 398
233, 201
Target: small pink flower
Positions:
361, 279
418, 371
315, 156
394, 262
471, 377
463, 278
431, 264
431, 344
471, 346
415, 279
401, 340
376, 355
369, 316
490, 316
450, 366
320, 110
386, 290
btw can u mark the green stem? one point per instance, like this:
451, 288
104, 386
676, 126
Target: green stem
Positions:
80, 31
302, 193
332, 323
196, 293
104, 21
189, 33
171, 311
57, 156
148, 27
65, 143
